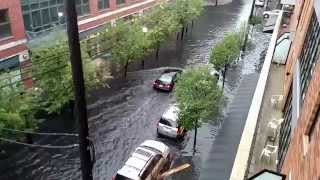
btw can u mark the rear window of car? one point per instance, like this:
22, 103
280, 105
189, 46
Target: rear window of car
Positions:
152, 149
120, 177
140, 151
165, 78
165, 122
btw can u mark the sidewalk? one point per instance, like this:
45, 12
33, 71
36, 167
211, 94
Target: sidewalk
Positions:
220, 161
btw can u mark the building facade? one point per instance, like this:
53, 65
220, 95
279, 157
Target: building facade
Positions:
13, 49
299, 140
29, 22
41, 16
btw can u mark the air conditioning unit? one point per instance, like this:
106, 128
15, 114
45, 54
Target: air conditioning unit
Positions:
24, 56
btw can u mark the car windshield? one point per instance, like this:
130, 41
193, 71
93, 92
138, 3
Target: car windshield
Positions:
152, 149
165, 78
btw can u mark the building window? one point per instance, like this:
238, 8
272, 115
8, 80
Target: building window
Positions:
103, 4
119, 2
43, 15
82, 7
313, 126
5, 29
309, 55
10, 75
285, 130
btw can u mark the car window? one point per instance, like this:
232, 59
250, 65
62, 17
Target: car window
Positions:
165, 122
165, 78
144, 153
151, 166
120, 177
152, 149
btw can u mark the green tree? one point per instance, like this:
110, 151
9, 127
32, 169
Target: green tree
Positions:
162, 23
199, 98
51, 71
225, 52
129, 43
187, 11
17, 109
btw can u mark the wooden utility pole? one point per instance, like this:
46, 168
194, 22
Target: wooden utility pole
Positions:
79, 89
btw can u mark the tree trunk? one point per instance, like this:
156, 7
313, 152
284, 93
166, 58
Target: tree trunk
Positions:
142, 64
182, 32
224, 75
195, 136
178, 35
126, 68
157, 51
216, 3
28, 136
191, 24
187, 28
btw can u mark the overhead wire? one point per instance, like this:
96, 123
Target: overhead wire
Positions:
40, 133
39, 145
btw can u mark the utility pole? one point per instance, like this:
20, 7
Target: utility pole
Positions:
79, 89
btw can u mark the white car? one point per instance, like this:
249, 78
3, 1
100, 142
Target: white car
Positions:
147, 162
267, 14
168, 124
259, 3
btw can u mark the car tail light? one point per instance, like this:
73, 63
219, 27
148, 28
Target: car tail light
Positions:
113, 178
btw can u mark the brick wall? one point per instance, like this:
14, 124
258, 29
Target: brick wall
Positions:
13, 45
302, 161
16, 20
306, 167
299, 26
114, 13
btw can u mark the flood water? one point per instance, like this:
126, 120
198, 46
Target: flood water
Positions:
123, 116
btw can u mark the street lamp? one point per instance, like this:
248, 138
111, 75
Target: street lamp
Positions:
60, 16
144, 30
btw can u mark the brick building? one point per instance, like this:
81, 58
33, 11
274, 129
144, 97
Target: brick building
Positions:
299, 143
13, 49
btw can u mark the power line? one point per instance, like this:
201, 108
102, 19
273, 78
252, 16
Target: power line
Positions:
39, 145
38, 133
27, 78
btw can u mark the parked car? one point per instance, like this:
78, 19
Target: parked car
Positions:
259, 3
147, 162
267, 14
167, 80
168, 124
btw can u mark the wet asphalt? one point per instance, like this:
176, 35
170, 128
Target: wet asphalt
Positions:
123, 116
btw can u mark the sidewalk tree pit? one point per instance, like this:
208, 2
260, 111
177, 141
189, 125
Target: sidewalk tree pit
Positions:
199, 98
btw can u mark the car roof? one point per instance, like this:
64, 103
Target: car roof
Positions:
171, 113
132, 168
140, 158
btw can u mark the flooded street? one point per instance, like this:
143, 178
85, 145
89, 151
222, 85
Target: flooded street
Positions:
126, 114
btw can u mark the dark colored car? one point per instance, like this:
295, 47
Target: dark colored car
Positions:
166, 81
